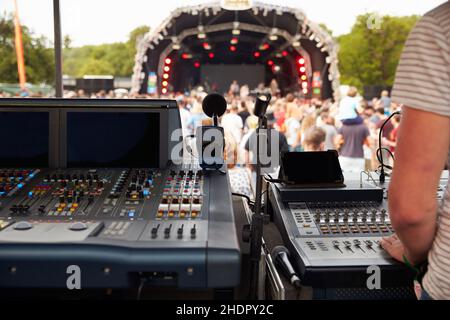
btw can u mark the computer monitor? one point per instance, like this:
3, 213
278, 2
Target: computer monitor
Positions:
113, 139
24, 139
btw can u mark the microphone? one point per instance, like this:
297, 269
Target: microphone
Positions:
211, 139
280, 254
214, 106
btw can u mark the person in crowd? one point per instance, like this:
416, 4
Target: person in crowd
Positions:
232, 122
349, 107
385, 100
330, 130
234, 88
292, 128
422, 151
314, 139
243, 111
274, 155
350, 141
308, 122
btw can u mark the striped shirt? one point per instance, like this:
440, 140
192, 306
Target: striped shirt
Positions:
423, 82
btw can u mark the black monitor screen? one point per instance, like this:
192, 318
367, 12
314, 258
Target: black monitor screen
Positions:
24, 139
312, 167
112, 139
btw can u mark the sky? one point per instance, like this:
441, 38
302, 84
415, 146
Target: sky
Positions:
106, 21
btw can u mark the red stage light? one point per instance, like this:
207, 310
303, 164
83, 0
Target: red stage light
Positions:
206, 46
166, 76
305, 91
168, 61
302, 69
301, 61
166, 68
303, 77
165, 83
233, 48
197, 64
186, 56
264, 46
211, 55
284, 53
234, 40
164, 90
270, 63
257, 54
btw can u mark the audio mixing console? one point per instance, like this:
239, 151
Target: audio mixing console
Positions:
334, 242
120, 223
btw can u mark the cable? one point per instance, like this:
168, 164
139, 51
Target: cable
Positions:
380, 135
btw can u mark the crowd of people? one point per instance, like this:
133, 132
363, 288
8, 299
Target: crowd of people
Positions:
350, 126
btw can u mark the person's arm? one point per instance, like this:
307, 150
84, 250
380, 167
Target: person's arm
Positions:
421, 153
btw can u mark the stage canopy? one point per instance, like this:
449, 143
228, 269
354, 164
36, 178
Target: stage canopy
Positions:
209, 46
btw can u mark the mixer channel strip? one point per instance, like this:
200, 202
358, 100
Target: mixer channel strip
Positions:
346, 218
182, 196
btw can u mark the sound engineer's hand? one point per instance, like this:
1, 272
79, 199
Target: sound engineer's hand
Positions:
394, 246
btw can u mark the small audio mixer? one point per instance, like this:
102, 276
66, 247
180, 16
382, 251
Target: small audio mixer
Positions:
109, 200
334, 242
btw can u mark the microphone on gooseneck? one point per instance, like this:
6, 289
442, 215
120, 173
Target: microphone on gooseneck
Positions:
280, 254
211, 139
214, 106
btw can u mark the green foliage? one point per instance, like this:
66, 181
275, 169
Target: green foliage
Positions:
370, 56
106, 59
39, 58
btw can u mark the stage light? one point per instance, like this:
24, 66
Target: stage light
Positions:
257, 54
166, 68
304, 84
303, 77
197, 64
264, 46
168, 61
164, 91
236, 32
301, 61
276, 68
201, 34
233, 48
305, 91
186, 56
270, 63
176, 46
234, 40
165, 76
302, 69
284, 53
296, 44
211, 55
165, 83
206, 46
273, 37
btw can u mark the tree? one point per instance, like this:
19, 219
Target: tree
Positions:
39, 58
369, 54
112, 59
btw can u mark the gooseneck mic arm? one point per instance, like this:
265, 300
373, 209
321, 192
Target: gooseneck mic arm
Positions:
257, 223
380, 147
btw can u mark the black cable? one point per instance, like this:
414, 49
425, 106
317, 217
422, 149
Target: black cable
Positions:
243, 196
380, 135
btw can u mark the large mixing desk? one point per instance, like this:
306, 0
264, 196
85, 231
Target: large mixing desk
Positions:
89, 186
